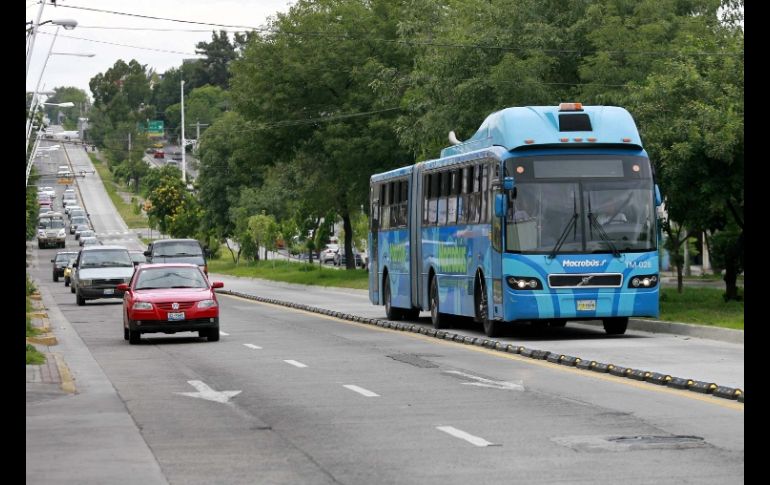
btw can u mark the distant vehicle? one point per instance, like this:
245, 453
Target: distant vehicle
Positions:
137, 256
84, 233
341, 260
150, 151
78, 223
66, 135
98, 270
89, 241
159, 154
170, 298
53, 234
157, 145
49, 191
177, 251
327, 253
172, 163
176, 156
61, 261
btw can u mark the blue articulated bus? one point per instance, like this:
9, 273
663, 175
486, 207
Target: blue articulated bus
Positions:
547, 214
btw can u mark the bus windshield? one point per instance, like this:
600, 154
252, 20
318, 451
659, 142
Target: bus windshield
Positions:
574, 205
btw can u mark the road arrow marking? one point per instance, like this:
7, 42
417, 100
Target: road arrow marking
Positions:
295, 363
482, 382
252, 346
205, 392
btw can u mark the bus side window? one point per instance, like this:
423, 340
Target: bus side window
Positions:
485, 192
425, 198
385, 204
454, 179
462, 198
442, 202
404, 203
434, 194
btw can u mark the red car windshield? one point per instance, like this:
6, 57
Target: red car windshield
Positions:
170, 277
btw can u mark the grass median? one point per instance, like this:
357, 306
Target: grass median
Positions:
126, 211
703, 306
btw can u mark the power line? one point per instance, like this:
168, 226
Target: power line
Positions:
154, 18
125, 45
412, 42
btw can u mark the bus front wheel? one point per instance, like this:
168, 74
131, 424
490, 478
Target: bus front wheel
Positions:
438, 319
491, 327
615, 326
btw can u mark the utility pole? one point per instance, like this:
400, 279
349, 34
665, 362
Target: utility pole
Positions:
184, 161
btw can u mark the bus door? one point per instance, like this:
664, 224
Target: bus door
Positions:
495, 278
374, 257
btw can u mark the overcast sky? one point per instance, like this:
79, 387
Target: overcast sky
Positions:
104, 27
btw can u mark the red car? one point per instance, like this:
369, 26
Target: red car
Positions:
159, 154
170, 298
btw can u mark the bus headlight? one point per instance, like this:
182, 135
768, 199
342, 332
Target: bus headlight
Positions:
643, 281
524, 283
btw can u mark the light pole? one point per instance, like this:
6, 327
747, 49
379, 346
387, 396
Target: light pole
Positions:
184, 160
68, 24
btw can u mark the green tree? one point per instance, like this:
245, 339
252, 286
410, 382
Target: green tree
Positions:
300, 89
264, 231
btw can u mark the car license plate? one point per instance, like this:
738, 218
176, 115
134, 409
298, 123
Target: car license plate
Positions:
109, 291
175, 316
586, 305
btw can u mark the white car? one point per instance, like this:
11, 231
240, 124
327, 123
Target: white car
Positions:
48, 191
327, 253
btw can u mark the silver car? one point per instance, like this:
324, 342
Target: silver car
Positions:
98, 271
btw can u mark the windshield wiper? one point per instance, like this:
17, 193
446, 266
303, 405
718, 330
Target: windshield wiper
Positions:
595, 224
571, 224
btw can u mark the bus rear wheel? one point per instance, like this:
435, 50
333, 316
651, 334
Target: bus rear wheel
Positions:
438, 319
615, 326
390, 312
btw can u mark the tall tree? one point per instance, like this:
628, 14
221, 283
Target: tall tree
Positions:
307, 84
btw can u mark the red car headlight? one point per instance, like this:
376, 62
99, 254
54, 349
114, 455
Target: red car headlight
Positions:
207, 304
141, 305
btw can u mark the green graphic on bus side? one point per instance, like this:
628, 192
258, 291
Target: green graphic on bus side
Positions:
451, 257
398, 253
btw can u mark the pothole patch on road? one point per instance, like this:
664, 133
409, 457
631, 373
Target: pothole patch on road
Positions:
596, 443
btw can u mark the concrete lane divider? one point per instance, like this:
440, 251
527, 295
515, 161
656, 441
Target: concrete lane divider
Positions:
657, 378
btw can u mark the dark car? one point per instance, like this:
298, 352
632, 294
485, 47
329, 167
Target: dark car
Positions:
169, 298
177, 251
62, 259
137, 256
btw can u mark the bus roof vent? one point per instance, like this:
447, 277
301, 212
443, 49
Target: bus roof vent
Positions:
575, 122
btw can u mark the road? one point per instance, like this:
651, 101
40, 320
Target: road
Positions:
317, 399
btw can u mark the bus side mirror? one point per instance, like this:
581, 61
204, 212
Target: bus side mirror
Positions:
658, 198
508, 183
501, 203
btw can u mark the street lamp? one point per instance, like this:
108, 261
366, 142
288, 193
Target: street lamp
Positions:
68, 24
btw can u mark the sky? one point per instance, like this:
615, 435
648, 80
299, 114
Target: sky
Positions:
159, 49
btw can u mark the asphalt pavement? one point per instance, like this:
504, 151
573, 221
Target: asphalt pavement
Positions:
70, 398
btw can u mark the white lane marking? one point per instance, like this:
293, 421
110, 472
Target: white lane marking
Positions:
295, 363
457, 433
205, 392
223, 333
252, 346
482, 382
361, 390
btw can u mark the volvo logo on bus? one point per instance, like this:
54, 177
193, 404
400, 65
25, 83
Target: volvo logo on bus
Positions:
586, 263
585, 280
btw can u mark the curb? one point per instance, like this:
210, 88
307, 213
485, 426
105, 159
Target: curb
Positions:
666, 380
67, 382
680, 328
47, 339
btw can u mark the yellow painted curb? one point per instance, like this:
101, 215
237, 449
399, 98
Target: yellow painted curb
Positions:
35, 296
44, 339
38, 314
67, 382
